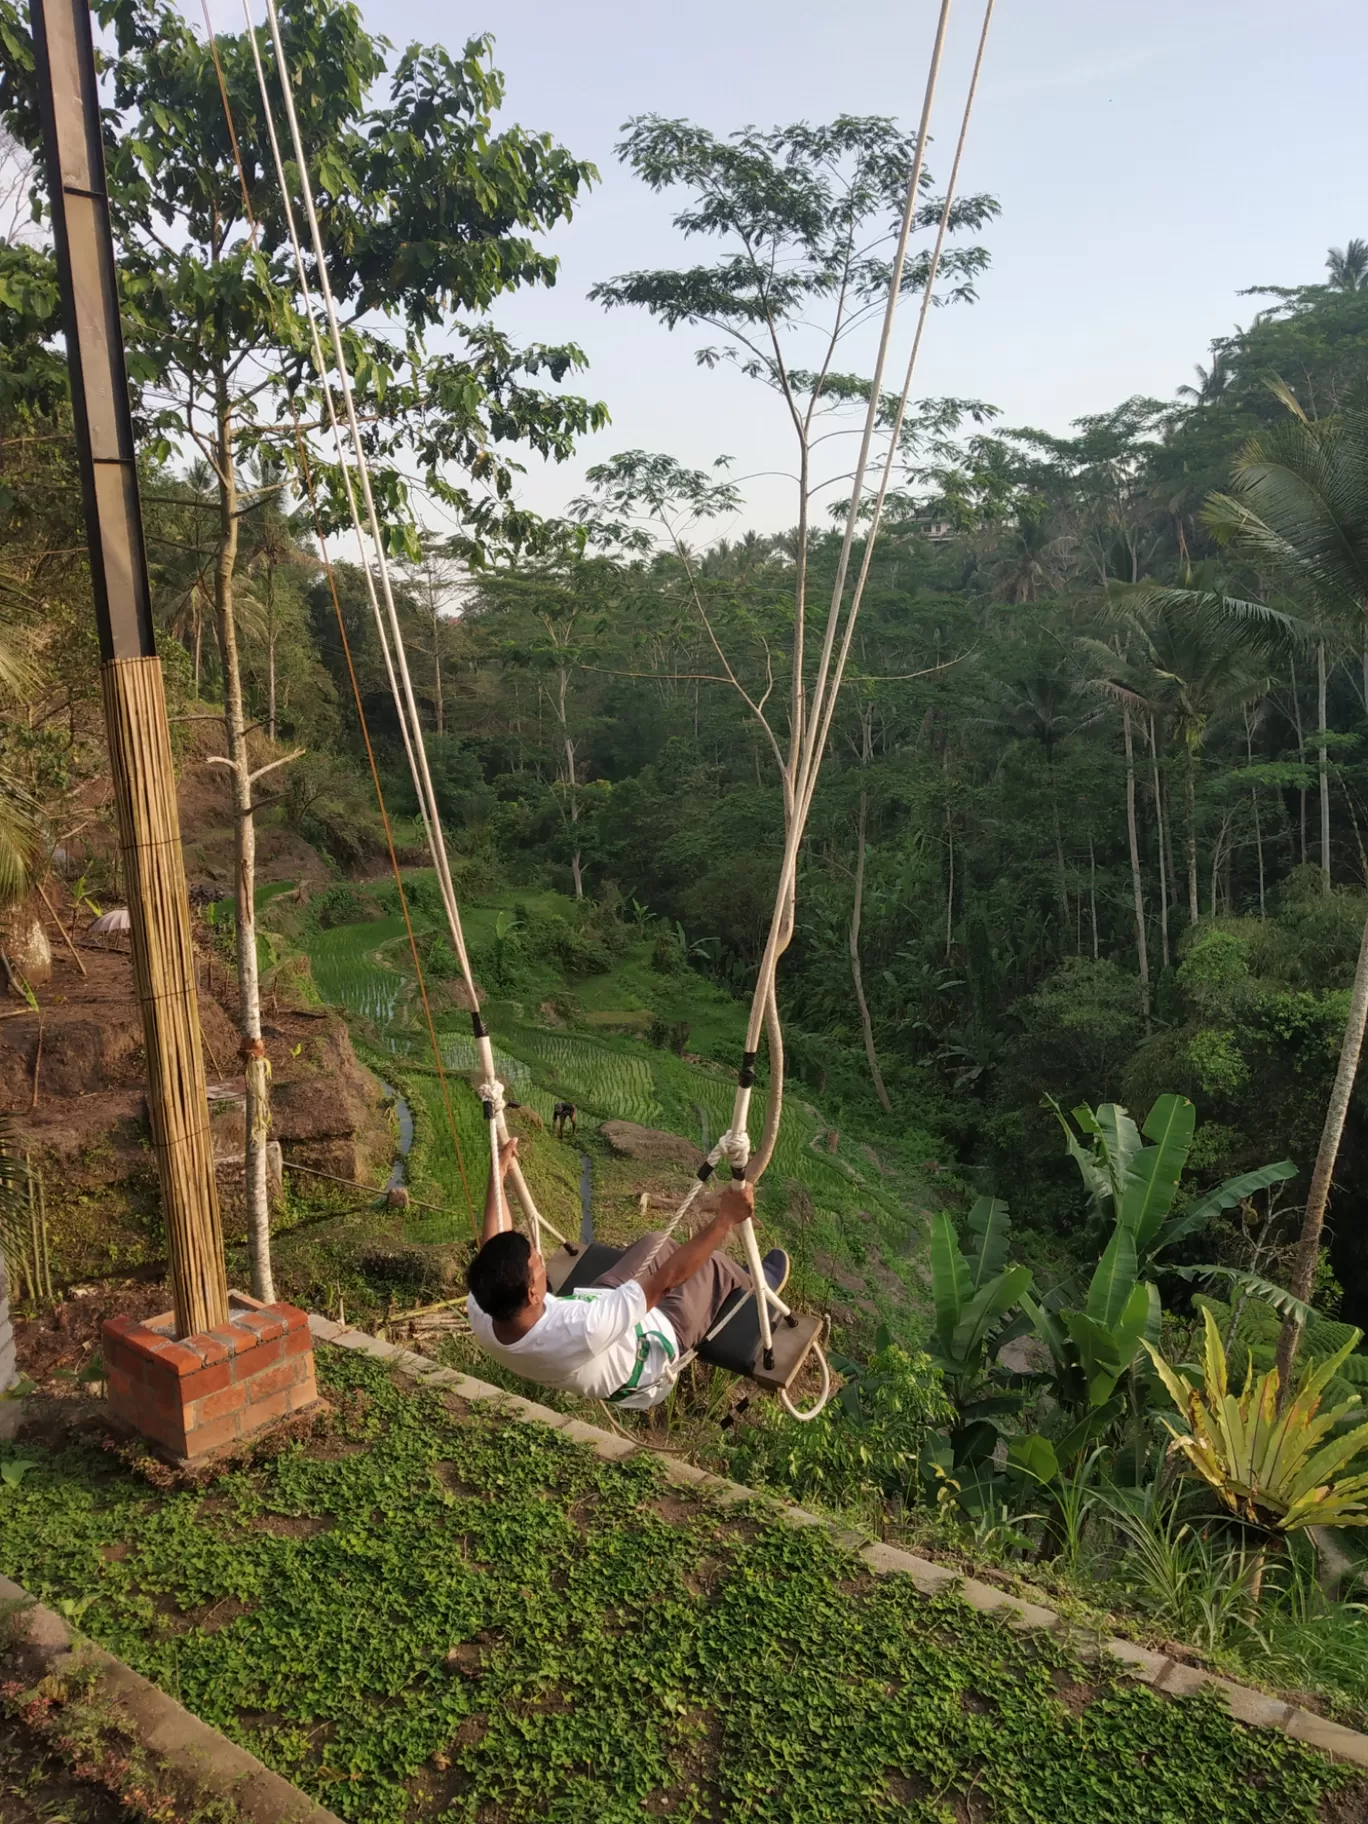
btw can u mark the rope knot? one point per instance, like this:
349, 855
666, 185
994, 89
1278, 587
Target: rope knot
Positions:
734, 1148
492, 1095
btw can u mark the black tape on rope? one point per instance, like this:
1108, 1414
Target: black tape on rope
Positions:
747, 1076
705, 1171
477, 1025
488, 1108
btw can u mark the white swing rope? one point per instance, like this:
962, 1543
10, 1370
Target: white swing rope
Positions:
491, 1089
734, 1144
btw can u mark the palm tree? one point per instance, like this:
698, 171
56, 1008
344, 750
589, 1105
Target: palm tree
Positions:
1211, 381
1298, 511
1348, 266
1191, 657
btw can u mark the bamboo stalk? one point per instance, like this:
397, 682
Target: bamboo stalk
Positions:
46, 1249
164, 970
355, 1184
62, 928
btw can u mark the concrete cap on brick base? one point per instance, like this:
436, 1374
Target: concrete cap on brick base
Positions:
198, 1396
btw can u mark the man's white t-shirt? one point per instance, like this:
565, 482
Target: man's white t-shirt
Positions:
601, 1342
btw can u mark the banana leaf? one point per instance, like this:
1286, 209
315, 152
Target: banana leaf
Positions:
1035, 1457
978, 1314
1153, 1180
1114, 1280
950, 1283
1099, 1354
988, 1226
1225, 1197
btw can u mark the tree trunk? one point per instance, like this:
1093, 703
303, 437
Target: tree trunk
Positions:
1323, 767
439, 712
1194, 909
572, 797
1161, 827
1301, 755
252, 1050
855, 973
1254, 801
1137, 882
1092, 893
270, 651
1061, 871
950, 886
1308, 1248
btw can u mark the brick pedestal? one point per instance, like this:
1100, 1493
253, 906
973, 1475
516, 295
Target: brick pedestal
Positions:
200, 1395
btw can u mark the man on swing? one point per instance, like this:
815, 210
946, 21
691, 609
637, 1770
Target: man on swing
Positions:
622, 1338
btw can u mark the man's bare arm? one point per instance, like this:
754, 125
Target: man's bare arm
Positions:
735, 1204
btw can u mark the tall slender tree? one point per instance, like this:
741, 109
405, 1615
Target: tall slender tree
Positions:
426, 212
1298, 512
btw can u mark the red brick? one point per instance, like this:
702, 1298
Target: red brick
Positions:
119, 1326
290, 1315
227, 1339
177, 1358
251, 1361
123, 1389
266, 1412
128, 1362
299, 1342
208, 1380
203, 1438
274, 1380
146, 1343
305, 1394
215, 1405
223, 1392
263, 1323
207, 1347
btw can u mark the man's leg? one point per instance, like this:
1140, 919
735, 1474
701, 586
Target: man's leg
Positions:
692, 1307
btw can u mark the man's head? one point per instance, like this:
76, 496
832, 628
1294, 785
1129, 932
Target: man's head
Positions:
507, 1276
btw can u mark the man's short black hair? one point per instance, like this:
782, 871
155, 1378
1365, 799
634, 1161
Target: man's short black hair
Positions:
500, 1275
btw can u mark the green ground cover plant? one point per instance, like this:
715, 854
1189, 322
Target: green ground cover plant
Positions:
422, 1614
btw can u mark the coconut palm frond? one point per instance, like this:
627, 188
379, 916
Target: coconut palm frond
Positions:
19, 839
1298, 509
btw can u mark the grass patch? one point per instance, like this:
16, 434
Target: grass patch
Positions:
420, 1614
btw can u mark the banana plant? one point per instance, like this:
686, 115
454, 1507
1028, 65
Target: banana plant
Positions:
1281, 1472
1092, 1349
977, 1298
1140, 1182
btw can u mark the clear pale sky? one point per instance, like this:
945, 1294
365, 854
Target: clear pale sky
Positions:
1152, 157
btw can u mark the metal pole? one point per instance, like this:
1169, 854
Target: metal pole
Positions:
130, 673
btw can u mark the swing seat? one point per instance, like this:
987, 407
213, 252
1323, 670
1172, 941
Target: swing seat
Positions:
734, 1346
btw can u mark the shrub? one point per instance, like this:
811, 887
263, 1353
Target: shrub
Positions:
339, 905
866, 1444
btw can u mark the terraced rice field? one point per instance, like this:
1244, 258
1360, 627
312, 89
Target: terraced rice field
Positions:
608, 1076
351, 972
